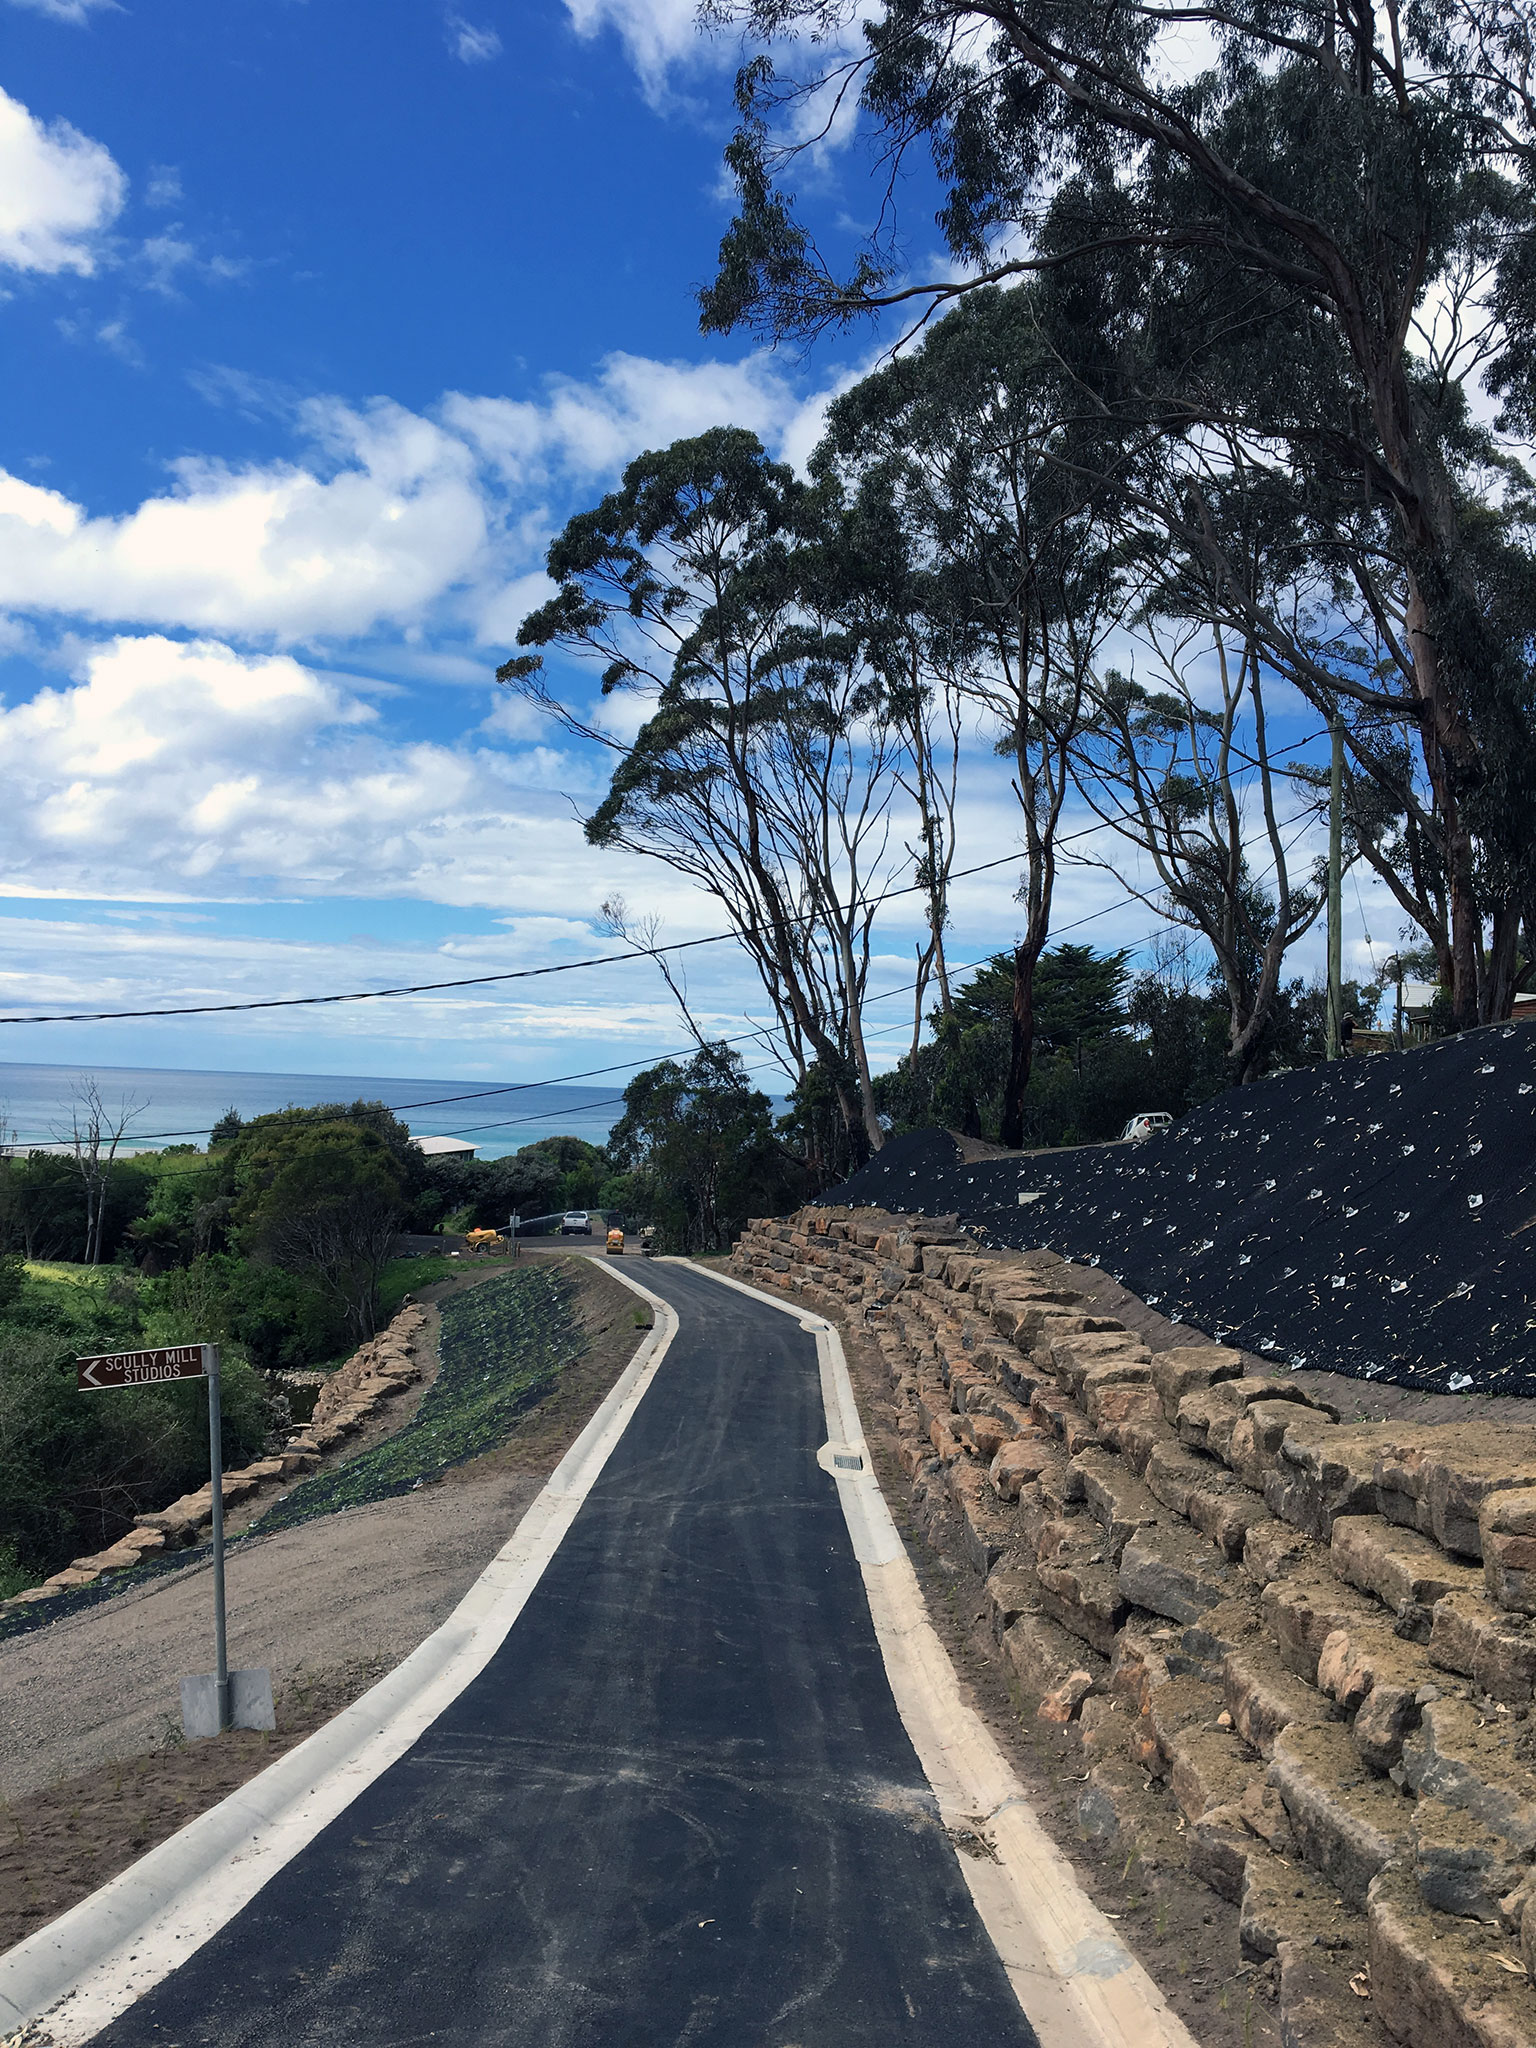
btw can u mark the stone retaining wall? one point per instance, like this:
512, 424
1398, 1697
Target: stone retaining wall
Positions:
382, 1368
1315, 1638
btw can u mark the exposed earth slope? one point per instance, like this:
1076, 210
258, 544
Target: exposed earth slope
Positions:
1374, 1217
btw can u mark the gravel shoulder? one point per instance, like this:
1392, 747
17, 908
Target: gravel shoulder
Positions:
93, 1768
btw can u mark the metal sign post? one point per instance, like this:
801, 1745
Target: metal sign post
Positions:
513, 1226
210, 1702
216, 1501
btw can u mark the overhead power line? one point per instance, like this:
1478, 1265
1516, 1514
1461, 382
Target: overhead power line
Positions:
593, 1073
422, 988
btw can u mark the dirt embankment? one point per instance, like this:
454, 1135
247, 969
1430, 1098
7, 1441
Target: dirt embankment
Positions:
93, 1769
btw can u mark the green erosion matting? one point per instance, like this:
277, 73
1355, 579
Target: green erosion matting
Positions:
503, 1346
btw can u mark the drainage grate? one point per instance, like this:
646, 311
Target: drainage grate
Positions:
848, 1461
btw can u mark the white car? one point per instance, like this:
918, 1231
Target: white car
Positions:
1148, 1124
576, 1223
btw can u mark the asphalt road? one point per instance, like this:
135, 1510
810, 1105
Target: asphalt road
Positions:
678, 1806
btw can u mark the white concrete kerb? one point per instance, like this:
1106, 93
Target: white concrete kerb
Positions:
1078, 1984
78, 1973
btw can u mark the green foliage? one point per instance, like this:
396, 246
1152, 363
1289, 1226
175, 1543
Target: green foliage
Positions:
43, 1206
76, 1468
1088, 1077
323, 1199
697, 1151
582, 1168
280, 1322
504, 1345
537, 1180
15, 1577
817, 1133
1110, 1047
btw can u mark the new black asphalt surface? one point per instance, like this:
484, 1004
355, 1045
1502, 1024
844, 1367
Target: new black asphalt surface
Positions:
678, 1806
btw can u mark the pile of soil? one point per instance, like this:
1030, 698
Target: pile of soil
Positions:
1376, 1217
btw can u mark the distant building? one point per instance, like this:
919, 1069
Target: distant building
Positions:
441, 1148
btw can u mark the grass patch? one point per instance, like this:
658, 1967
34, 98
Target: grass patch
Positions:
504, 1345
15, 1577
408, 1276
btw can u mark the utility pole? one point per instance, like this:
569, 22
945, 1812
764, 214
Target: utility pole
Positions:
1335, 891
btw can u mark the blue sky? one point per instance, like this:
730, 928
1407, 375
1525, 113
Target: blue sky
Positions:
319, 317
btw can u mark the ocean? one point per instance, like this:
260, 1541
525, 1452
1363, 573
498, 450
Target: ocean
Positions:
181, 1107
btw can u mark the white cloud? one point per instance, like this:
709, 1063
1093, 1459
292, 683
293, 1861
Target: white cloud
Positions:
164, 255
162, 258
113, 336
277, 552
398, 521
657, 34
472, 45
146, 703
173, 769
580, 430
58, 191
164, 186
76, 12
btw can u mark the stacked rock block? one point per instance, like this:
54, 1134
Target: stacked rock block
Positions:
1316, 1638
381, 1369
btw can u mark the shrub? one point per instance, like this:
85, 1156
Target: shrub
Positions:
13, 1272
280, 1323
76, 1468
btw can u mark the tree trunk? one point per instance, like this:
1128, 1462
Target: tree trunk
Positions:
871, 1116
1021, 1045
1441, 736
1497, 1000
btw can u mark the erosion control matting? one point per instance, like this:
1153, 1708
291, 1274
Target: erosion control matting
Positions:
503, 1346
1375, 1217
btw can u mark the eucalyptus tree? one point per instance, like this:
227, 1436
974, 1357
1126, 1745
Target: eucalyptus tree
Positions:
1172, 776
1312, 574
1007, 496
860, 563
764, 770
1271, 242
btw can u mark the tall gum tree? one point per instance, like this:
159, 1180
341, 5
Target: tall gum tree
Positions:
1004, 491
1334, 172
766, 769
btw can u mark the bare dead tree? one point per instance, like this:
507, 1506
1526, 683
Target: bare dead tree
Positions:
93, 1135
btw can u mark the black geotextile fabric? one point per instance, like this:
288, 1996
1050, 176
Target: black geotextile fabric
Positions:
1376, 1217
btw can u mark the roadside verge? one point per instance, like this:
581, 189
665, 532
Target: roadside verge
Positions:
80, 1971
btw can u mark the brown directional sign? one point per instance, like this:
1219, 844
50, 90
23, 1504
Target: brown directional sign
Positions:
141, 1368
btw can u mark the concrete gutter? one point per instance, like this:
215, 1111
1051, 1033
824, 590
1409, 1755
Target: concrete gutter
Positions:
1078, 1984
79, 1972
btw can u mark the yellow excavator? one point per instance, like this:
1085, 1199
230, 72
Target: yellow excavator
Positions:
489, 1242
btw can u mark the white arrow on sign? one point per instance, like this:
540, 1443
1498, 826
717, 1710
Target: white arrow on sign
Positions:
141, 1368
